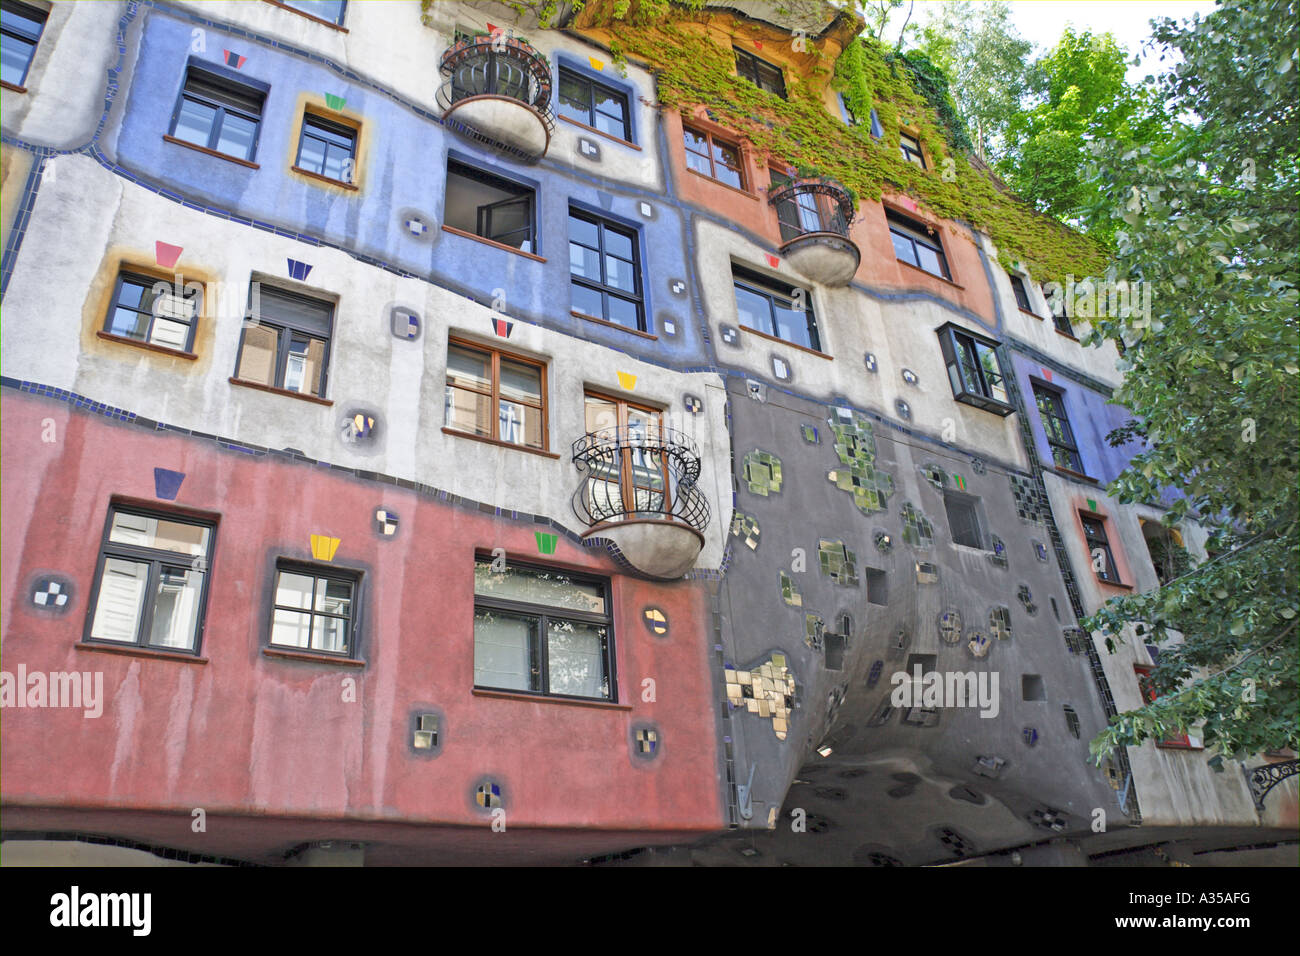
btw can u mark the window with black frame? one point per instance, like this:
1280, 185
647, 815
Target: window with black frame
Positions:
331, 11
314, 609
20, 32
910, 147
487, 206
594, 104
218, 114
775, 309
1022, 294
286, 341
1060, 436
764, 75
1099, 552
605, 271
917, 245
542, 631
154, 311
151, 580
327, 149
974, 370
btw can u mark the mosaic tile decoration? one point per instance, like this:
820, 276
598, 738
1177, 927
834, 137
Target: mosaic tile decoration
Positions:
909, 376
426, 732
385, 522
998, 556
676, 286
904, 410
626, 381
729, 334
934, 475
415, 225
781, 369
165, 254
298, 270
762, 473
927, 573
404, 324
693, 404
813, 626
1027, 599
789, 594
51, 593
988, 765
873, 676
810, 435
647, 741
959, 481
323, 547
545, 542
1049, 819
1028, 504
488, 795
950, 627
656, 621
884, 543
917, 530
838, 562
855, 444
977, 465
335, 103
1040, 551
167, 483
954, 842
745, 526
1071, 721
757, 390
589, 148
1030, 736
978, 644
1000, 623
869, 360
234, 59
768, 691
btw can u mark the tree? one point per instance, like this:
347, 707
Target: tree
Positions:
1208, 218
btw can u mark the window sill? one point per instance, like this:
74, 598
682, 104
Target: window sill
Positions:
11, 86
324, 179
280, 391
719, 182
1067, 335
1034, 314
210, 152
1165, 745
614, 325
499, 443
543, 699
945, 281
491, 242
608, 136
135, 650
1118, 585
311, 657
303, 13
793, 345
148, 346
1075, 474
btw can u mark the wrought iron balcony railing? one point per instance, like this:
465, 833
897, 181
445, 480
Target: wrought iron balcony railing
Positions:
807, 206
639, 473
497, 66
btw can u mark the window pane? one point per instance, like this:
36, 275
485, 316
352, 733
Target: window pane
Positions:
617, 244
992, 372
576, 659
468, 368
294, 590
330, 634
584, 262
587, 301
600, 413
334, 597
575, 100
121, 600
236, 137
159, 533
904, 249
194, 124
291, 628
620, 274
623, 312
306, 362
930, 260
173, 335
538, 586
614, 124
311, 156
176, 608
520, 424
505, 650
18, 20
695, 143
520, 381
257, 358
468, 411
698, 163
754, 310
336, 163
587, 233
727, 175
792, 325
331, 10
134, 325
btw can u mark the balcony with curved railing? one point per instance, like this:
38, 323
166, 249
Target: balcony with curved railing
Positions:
639, 492
498, 91
814, 216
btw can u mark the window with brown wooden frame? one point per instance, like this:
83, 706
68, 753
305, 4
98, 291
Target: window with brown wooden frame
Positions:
713, 158
496, 395
637, 478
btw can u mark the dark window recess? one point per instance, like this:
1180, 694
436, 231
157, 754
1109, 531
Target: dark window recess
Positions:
764, 75
329, 10
877, 586
910, 147
20, 31
1071, 721
595, 104
151, 583
917, 245
153, 311
1165, 548
489, 206
963, 519
1099, 553
542, 631
219, 115
775, 309
1060, 437
1032, 687
1022, 293
327, 149
286, 340
877, 131
713, 158
315, 609
834, 646
1056, 305
974, 371
605, 271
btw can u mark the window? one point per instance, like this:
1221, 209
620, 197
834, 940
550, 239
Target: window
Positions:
768, 307
286, 342
542, 632
1022, 294
330, 11
1060, 437
605, 271
20, 31
495, 395
1165, 548
636, 481
917, 245
963, 520
152, 311
489, 207
712, 158
151, 580
762, 74
1099, 553
326, 149
314, 609
594, 104
910, 147
219, 115
974, 371
1059, 318
1177, 741
849, 116
877, 131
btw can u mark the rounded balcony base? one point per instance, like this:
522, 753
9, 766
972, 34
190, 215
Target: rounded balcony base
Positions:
664, 550
505, 121
823, 257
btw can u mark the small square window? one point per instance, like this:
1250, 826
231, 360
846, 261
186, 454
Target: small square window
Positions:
917, 244
963, 520
910, 147
490, 207
593, 104
327, 149
974, 370
285, 343
20, 31
314, 609
152, 581
1032, 687
495, 395
153, 311
1099, 552
1022, 294
764, 75
713, 157
774, 309
218, 114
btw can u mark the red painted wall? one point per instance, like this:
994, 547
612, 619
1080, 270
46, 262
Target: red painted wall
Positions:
245, 733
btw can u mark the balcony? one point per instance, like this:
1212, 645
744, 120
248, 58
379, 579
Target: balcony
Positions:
498, 91
639, 493
814, 215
